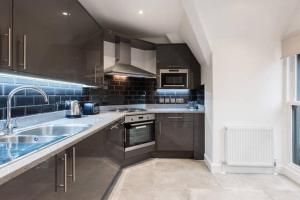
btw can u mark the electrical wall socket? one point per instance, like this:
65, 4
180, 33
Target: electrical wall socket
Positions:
161, 100
167, 100
179, 100
173, 100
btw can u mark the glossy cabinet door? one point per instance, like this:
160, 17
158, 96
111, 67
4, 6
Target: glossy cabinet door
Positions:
41, 38
174, 132
5, 34
91, 168
86, 53
36, 183
56, 39
114, 142
199, 136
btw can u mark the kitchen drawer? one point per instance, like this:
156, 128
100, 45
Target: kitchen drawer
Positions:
183, 117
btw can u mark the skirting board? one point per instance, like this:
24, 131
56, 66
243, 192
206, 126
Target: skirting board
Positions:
292, 172
220, 168
248, 170
213, 167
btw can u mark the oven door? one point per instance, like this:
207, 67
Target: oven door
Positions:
174, 78
139, 134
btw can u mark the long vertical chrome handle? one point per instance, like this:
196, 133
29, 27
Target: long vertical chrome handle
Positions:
95, 74
159, 128
56, 172
125, 136
73, 175
25, 51
74, 164
65, 185
9, 47
65, 160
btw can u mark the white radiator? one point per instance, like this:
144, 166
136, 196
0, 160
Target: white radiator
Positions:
249, 146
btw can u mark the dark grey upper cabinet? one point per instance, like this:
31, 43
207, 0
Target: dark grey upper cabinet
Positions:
5, 33
173, 55
42, 38
174, 132
179, 56
87, 46
57, 39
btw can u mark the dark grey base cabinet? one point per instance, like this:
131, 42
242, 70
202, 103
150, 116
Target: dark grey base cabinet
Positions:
85, 171
180, 135
32, 184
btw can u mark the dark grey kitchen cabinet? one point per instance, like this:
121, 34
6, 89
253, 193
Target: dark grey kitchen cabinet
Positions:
86, 170
87, 45
33, 184
173, 56
179, 56
97, 164
180, 135
199, 136
114, 142
52, 38
174, 132
42, 38
5, 33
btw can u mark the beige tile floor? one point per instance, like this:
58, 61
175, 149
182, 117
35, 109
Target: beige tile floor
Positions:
183, 179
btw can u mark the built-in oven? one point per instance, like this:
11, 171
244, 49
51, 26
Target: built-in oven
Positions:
174, 78
139, 132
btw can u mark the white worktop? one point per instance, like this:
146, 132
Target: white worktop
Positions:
98, 122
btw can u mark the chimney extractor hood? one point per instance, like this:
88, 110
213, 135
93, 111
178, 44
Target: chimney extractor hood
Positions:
123, 65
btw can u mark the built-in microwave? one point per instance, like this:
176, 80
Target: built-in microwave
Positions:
174, 78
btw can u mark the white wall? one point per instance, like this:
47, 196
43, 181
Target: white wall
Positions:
247, 75
193, 34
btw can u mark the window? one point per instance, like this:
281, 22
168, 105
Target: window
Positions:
297, 64
293, 97
296, 135
292, 65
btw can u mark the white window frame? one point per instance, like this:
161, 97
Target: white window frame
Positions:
290, 70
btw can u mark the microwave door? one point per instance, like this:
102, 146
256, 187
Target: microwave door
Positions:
175, 80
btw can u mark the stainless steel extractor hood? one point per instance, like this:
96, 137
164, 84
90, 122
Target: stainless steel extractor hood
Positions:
123, 65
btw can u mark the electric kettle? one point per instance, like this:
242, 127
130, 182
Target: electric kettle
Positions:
73, 109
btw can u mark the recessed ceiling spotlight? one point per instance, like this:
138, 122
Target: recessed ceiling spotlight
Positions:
64, 13
141, 12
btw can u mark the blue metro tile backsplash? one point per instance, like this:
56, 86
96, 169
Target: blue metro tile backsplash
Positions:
29, 102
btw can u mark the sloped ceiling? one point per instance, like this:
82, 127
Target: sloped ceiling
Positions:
246, 18
159, 18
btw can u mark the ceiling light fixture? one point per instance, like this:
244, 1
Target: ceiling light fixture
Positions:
141, 12
64, 13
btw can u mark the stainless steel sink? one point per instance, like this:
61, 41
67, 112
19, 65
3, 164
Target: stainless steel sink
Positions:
26, 139
54, 130
34, 138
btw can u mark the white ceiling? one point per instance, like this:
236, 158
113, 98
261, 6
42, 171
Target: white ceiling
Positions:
159, 18
247, 18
